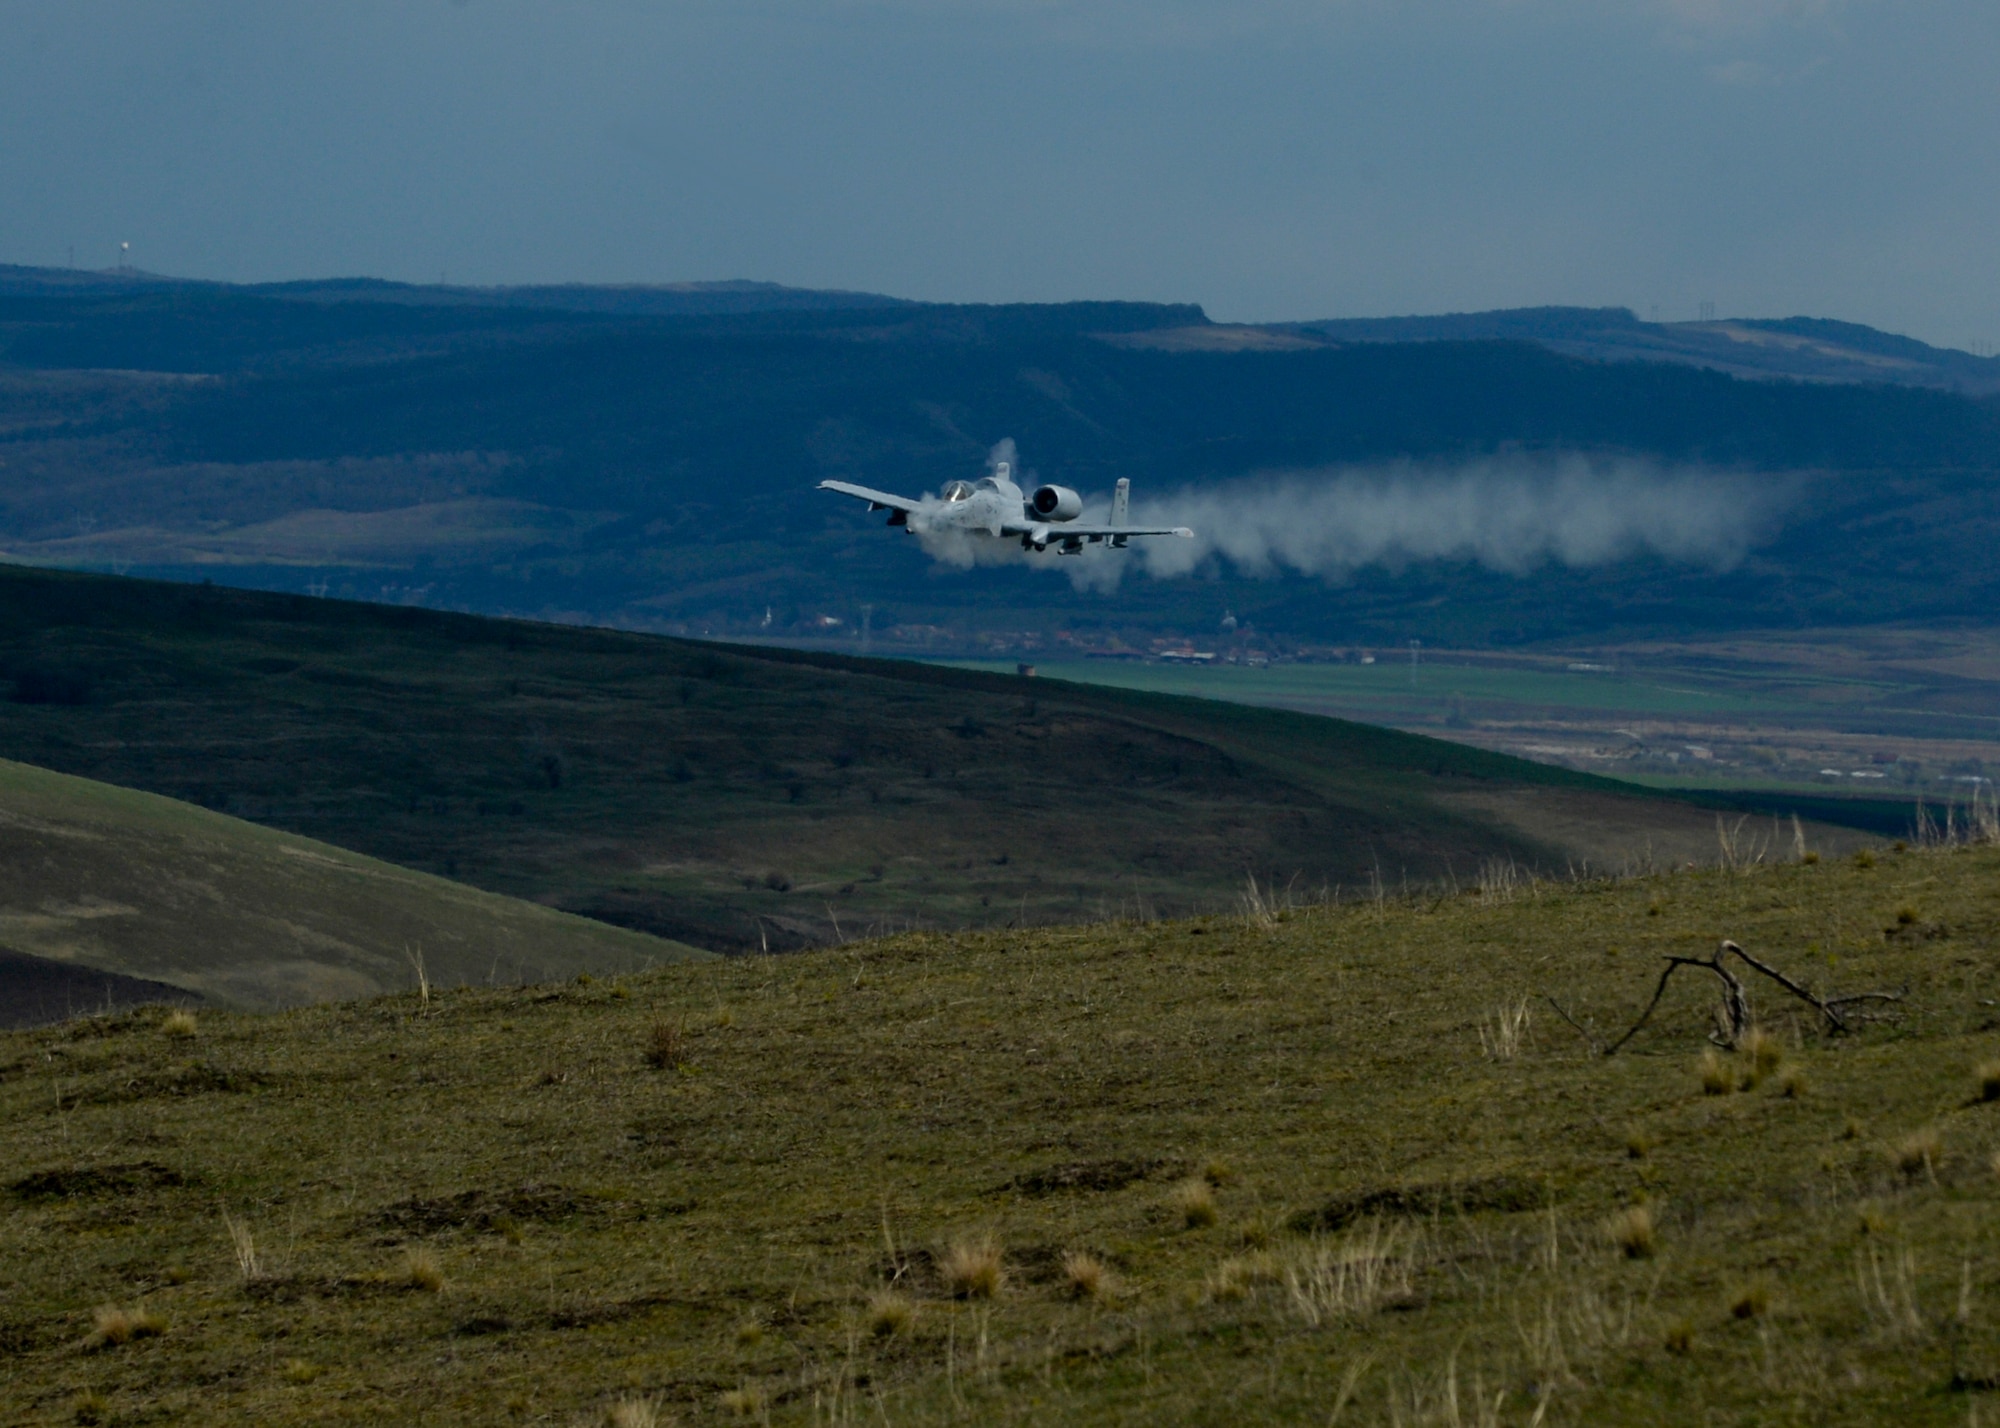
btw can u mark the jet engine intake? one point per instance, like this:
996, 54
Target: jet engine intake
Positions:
1056, 503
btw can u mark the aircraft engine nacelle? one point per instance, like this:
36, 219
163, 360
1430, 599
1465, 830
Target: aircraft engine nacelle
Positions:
1056, 503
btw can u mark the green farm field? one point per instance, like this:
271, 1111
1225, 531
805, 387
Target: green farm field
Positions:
1302, 1163
1873, 716
1395, 691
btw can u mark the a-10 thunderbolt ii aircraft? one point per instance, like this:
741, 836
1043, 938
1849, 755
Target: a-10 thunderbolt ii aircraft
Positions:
994, 506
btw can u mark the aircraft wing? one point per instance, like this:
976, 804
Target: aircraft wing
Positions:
877, 500
1063, 530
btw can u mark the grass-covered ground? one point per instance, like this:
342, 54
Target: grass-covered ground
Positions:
1342, 1164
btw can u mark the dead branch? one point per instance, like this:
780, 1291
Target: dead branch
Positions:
1581, 1030
1832, 1008
1732, 1017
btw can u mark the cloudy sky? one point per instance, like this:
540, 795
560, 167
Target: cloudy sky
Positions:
1267, 158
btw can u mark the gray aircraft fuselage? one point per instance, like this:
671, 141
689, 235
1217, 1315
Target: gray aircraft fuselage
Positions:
994, 506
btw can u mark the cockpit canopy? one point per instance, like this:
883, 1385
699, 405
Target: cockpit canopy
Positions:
957, 491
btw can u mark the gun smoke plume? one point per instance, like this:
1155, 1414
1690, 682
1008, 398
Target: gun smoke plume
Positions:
1511, 515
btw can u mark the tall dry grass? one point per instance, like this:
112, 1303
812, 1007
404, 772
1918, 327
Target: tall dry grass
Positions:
1354, 1276
243, 1246
1501, 1032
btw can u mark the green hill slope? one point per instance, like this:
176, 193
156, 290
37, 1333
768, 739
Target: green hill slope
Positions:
1343, 1165
108, 880
742, 798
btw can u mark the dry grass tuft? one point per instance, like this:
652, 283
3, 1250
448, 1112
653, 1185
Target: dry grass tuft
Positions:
1680, 1338
1753, 1300
1367, 1270
744, 1401
1794, 1083
972, 1269
750, 1333
1501, 1033
421, 1270
1632, 1230
1218, 1172
1638, 1144
666, 1045
890, 1314
300, 1371
243, 1247
1087, 1276
1764, 1052
1194, 1202
1890, 1298
112, 1326
1234, 1278
633, 1413
179, 1022
1870, 1220
1988, 1073
1919, 1153
1718, 1077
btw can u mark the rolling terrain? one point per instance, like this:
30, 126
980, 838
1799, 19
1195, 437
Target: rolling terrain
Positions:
112, 896
740, 798
1307, 1164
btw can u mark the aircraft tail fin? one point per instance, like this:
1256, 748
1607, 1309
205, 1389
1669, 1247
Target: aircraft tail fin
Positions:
1121, 500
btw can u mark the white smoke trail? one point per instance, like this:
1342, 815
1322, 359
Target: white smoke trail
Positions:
1508, 514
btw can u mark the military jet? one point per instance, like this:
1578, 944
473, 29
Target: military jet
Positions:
994, 506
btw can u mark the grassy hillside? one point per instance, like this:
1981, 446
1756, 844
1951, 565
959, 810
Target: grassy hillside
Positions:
100, 880
1337, 1165
746, 798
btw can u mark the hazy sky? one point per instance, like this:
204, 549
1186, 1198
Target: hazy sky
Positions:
1267, 158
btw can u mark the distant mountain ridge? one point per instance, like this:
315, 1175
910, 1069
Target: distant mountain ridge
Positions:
1807, 348
733, 295
471, 449
1804, 348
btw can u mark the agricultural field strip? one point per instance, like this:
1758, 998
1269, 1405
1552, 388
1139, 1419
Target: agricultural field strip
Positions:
1525, 698
1293, 685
